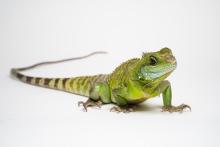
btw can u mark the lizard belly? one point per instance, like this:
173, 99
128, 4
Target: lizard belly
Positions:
137, 101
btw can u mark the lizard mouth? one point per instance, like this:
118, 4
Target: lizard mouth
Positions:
165, 69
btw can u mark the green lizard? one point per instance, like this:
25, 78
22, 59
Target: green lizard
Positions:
131, 83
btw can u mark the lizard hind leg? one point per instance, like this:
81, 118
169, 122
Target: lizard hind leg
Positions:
99, 95
90, 103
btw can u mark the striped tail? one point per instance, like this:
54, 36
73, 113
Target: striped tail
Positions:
77, 85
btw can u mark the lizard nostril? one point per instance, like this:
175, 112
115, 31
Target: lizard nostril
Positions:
171, 59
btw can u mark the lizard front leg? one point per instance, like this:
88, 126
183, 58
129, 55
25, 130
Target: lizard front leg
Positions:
165, 88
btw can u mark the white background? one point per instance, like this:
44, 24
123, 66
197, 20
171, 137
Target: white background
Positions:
34, 31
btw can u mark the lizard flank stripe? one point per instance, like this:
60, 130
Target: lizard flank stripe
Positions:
33, 81
67, 85
60, 84
52, 83
56, 83
85, 86
47, 81
64, 83
41, 82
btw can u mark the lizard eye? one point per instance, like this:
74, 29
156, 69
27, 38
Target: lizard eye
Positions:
153, 60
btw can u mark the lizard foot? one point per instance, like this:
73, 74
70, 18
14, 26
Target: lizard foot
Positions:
179, 108
124, 109
90, 103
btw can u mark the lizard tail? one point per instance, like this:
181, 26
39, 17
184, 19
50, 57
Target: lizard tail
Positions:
56, 83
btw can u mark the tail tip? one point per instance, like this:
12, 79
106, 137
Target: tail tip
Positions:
13, 71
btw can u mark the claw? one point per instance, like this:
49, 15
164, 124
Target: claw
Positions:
119, 109
179, 108
80, 103
115, 109
83, 104
186, 106
89, 103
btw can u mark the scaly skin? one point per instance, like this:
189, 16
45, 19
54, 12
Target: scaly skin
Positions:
133, 82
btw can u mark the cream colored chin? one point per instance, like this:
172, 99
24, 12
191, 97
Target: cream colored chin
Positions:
166, 71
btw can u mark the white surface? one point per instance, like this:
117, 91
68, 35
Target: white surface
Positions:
33, 31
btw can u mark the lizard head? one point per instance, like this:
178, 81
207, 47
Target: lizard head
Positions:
157, 65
